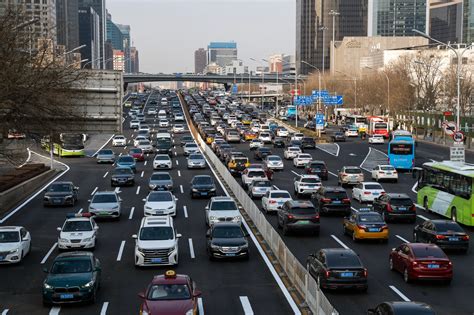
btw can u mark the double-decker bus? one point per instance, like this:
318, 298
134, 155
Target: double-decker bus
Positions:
65, 144
401, 153
446, 188
377, 126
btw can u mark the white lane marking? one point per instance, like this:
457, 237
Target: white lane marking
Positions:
144, 164
95, 189
200, 306
120, 154
422, 217
185, 210
131, 213
138, 190
401, 238
175, 153
119, 255
333, 174
414, 188
143, 173
177, 162
191, 248
246, 305
356, 210
5, 312
181, 189
45, 258
399, 293
125, 148
352, 154
105, 175
103, 145
366, 157
324, 150
148, 154
103, 310
179, 173
117, 190
339, 241
55, 310
80, 210
295, 173
129, 141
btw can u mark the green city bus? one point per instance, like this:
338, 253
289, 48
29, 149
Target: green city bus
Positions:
66, 144
446, 188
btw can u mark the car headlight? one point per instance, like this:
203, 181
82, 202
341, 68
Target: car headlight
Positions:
63, 240
87, 240
195, 190
148, 208
68, 197
115, 208
245, 246
236, 219
88, 285
152, 186
139, 249
212, 218
170, 208
47, 197
215, 246
14, 251
47, 286
212, 189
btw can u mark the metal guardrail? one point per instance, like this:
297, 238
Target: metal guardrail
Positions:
297, 273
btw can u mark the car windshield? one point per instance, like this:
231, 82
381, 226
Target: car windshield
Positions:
159, 292
428, 252
108, 152
196, 157
353, 171
104, 198
387, 168
191, 145
256, 174
401, 202
373, 187
310, 180
71, 266
264, 150
160, 177
156, 233
370, 218
302, 210
223, 205
276, 195
59, 188
227, 232
342, 260
160, 196
447, 226
121, 171
304, 156
294, 149
144, 142
126, 159
274, 158
119, 138
335, 194
262, 183
77, 226
9, 237
204, 180
162, 158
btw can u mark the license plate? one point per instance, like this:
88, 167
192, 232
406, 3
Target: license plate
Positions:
230, 255
455, 239
389, 173
156, 260
432, 266
103, 213
303, 222
373, 229
336, 201
347, 274
280, 202
57, 200
66, 296
402, 208
375, 193
204, 193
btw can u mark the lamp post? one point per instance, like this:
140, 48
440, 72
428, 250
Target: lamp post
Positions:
319, 87
333, 13
388, 89
90, 62
458, 71
324, 29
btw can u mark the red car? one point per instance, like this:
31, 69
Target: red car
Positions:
137, 154
418, 261
170, 294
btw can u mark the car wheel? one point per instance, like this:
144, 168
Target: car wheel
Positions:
454, 216
390, 264
278, 223
406, 276
344, 230
425, 204
354, 237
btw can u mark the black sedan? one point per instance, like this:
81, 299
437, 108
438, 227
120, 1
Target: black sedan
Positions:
278, 142
335, 268
262, 153
401, 308
122, 176
60, 194
308, 143
446, 234
203, 186
227, 240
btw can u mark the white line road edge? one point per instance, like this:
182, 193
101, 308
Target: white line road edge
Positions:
324, 150
365, 159
246, 305
45, 258
339, 241
399, 293
55, 310
103, 146
119, 255
275, 275
26, 162
402, 239
103, 310
191, 248
200, 306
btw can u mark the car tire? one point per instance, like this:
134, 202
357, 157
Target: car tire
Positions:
278, 223
354, 238
454, 216
390, 264
406, 276
425, 204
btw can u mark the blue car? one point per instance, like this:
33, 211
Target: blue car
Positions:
127, 161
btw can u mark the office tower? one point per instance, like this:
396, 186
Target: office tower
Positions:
89, 35
67, 23
200, 60
125, 29
134, 60
305, 35
446, 20
99, 8
221, 53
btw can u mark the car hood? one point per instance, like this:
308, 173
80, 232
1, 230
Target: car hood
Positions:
125, 164
161, 182
68, 279
84, 234
6, 247
224, 213
122, 175
159, 204
154, 244
173, 307
58, 194
104, 205
239, 241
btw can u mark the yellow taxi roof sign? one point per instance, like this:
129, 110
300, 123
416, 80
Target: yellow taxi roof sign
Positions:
170, 274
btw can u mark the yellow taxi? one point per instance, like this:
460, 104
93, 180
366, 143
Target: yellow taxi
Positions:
237, 164
210, 138
362, 128
365, 224
249, 135
246, 120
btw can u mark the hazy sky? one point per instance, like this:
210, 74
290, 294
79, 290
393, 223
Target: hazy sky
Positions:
167, 32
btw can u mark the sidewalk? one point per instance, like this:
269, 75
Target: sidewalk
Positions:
96, 142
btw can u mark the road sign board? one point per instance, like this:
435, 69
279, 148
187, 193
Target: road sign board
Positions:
322, 93
457, 154
447, 113
449, 127
319, 121
458, 136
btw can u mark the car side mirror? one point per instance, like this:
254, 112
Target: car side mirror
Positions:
97, 269
394, 249
58, 229
208, 233
76, 188
134, 236
96, 227
26, 238
179, 235
207, 208
88, 200
143, 199
197, 293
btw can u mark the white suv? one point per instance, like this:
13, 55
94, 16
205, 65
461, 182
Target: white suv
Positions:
156, 242
222, 209
15, 243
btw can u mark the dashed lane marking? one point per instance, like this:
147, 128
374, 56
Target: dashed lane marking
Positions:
200, 306
54, 310
103, 310
144, 164
181, 189
401, 238
246, 305
120, 252
399, 293
185, 210
179, 173
45, 258
191, 248
5, 311
131, 213
95, 189
105, 175
339, 241
138, 190
143, 173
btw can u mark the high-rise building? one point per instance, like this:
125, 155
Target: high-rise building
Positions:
99, 8
109, 55
305, 34
125, 29
114, 34
200, 60
468, 21
89, 35
221, 53
446, 20
134, 60
67, 23
289, 65
397, 17
275, 63
119, 60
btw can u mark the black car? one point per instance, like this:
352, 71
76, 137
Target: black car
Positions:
395, 207
278, 142
202, 186
338, 137
164, 146
335, 268
295, 143
317, 168
298, 215
186, 139
122, 176
402, 308
308, 143
60, 194
332, 199
262, 153
446, 234
227, 240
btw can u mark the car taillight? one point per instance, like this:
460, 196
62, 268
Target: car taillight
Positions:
316, 216
328, 273
381, 172
389, 208
367, 192
414, 263
344, 175
325, 200
413, 208
362, 227
365, 273
272, 201
465, 237
440, 237
385, 227
290, 216
346, 200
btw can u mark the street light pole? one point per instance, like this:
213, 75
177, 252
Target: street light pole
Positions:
319, 87
323, 29
333, 13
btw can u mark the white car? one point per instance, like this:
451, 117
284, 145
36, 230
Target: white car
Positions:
306, 184
256, 143
367, 191
15, 243
255, 127
251, 174
162, 114
119, 141
282, 132
146, 146
292, 152
351, 133
178, 117
134, 124
151, 111
384, 172
274, 162
162, 161
178, 128
144, 127
190, 148
159, 203
297, 136
78, 231
376, 139
302, 159
222, 209
137, 140
163, 123
156, 242
265, 137
274, 200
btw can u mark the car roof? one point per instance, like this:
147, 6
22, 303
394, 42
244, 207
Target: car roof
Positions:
338, 251
222, 198
279, 191
62, 183
419, 307
157, 221
300, 203
334, 188
308, 176
10, 228
161, 279
398, 196
226, 224
105, 193
74, 254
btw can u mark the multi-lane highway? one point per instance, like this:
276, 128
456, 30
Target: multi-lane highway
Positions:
228, 287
